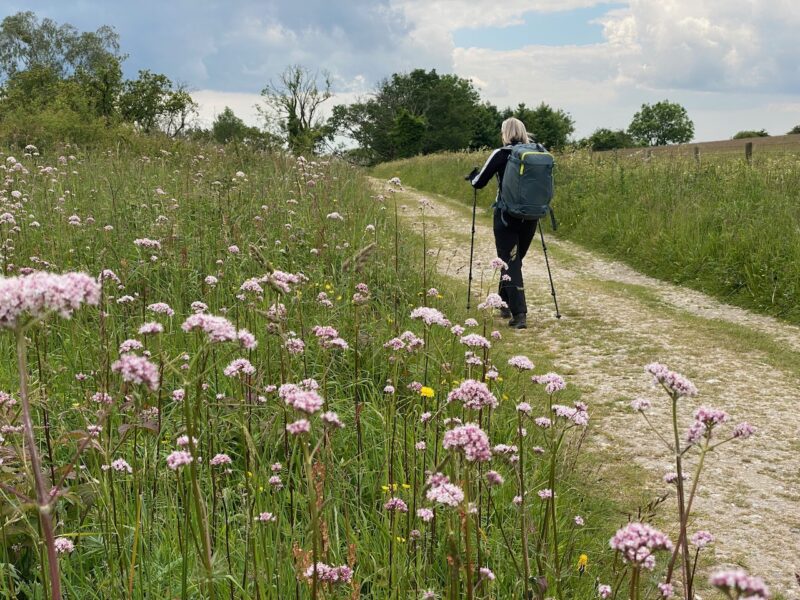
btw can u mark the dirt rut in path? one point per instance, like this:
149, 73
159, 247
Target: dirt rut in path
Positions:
616, 320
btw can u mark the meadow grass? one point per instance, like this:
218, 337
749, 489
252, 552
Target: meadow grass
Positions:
274, 245
720, 225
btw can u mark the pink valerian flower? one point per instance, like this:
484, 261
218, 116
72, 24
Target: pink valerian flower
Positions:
389, 389
121, 465
282, 281
130, 346
552, 382
147, 243
672, 477
161, 308
695, 432
579, 522
125, 299
327, 574
498, 263
414, 386
522, 363
211, 281
701, 539
266, 517
324, 331
577, 415
336, 343
545, 494
331, 419
743, 430
666, 590
219, 460
99, 397
637, 542
493, 478
275, 482
301, 398
674, 382
294, 345
63, 545
252, 285
640, 404
108, 274
430, 316
543, 422
469, 439
36, 295
474, 395
492, 374
426, 514
334, 216
218, 329
323, 300
233, 249
604, 591
183, 441
395, 505
432, 293
246, 339
425, 417
151, 328
738, 584
486, 573
492, 301
239, 366
457, 330
277, 312
137, 370
441, 491
412, 341
178, 459
524, 408
710, 416
516, 500
470, 322
473, 340
298, 427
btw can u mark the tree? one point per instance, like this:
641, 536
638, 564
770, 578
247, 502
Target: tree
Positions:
151, 103
25, 42
292, 106
420, 112
550, 127
794, 130
661, 123
227, 127
606, 139
750, 134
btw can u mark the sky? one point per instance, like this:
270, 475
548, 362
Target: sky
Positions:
734, 64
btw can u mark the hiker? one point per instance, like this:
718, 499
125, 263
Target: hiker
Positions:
512, 236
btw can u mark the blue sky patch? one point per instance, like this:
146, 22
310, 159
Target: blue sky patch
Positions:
570, 27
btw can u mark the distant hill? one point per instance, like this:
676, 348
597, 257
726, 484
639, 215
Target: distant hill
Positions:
771, 144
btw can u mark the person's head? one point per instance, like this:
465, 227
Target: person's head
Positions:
513, 130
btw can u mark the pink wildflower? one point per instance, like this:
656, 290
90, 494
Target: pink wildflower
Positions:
36, 295
161, 308
63, 545
640, 404
473, 395
219, 460
218, 329
523, 363
426, 514
637, 542
430, 316
473, 340
396, 505
493, 478
121, 465
137, 370
331, 419
701, 539
239, 366
674, 382
299, 398
738, 584
471, 440
266, 517
151, 328
552, 382
178, 459
743, 430
298, 427
604, 590
130, 346
443, 492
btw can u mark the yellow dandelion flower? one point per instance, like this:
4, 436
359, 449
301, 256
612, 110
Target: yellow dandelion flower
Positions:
406, 486
505, 396
426, 392
249, 473
583, 561
401, 540
338, 298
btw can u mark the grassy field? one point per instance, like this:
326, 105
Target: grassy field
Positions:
719, 225
167, 469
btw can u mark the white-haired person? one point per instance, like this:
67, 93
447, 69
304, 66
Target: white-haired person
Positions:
512, 236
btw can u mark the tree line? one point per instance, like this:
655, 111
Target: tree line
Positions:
61, 84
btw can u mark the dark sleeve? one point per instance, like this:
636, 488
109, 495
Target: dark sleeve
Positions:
495, 162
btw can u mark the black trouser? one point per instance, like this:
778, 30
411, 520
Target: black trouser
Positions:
512, 240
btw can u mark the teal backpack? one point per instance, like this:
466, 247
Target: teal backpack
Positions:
528, 183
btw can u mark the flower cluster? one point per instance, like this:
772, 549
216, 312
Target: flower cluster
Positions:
36, 295
469, 439
637, 542
441, 491
430, 316
674, 382
328, 574
474, 395
738, 584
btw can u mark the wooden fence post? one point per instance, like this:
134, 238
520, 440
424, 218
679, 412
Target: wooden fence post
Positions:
697, 155
748, 152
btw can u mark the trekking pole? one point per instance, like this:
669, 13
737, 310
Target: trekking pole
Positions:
472, 244
550, 275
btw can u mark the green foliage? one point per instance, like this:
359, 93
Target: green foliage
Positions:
448, 106
151, 102
607, 139
547, 125
794, 130
661, 123
721, 227
26, 43
292, 104
750, 134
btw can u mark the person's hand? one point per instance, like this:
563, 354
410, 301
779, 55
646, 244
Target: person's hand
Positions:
472, 174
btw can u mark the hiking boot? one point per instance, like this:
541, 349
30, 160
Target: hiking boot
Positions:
505, 313
519, 321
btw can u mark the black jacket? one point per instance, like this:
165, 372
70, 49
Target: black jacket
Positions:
494, 166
